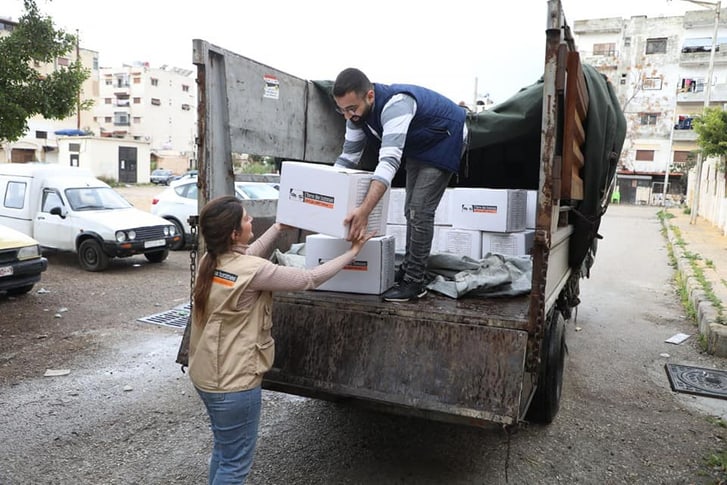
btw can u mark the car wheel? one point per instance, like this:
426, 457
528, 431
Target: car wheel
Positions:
20, 290
157, 256
180, 230
91, 256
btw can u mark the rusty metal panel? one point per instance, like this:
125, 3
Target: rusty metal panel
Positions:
472, 371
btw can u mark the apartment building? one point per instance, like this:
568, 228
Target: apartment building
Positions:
156, 105
40, 142
659, 69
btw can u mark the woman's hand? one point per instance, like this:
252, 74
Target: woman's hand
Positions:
283, 227
358, 243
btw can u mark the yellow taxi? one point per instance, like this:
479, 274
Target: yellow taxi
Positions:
21, 262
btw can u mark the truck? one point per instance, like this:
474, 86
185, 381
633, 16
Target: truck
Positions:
473, 360
67, 208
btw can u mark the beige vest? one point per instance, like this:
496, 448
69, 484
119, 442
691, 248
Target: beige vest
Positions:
234, 348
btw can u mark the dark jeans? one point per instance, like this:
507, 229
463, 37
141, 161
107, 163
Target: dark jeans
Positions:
425, 186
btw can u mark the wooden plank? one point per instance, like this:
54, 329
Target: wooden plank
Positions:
576, 110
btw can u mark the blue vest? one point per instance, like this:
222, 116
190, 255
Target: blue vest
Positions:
435, 133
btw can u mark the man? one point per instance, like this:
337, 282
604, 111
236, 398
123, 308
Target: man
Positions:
412, 123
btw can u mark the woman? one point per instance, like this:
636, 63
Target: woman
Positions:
231, 345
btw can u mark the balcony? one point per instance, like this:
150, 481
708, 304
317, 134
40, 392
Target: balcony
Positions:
718, 96
701, 57
684, 135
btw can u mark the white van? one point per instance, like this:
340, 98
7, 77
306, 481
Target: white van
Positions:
67, 208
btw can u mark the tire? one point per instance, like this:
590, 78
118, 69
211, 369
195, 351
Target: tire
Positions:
546, 401
157, 256
180, 230
91, 256
21, 290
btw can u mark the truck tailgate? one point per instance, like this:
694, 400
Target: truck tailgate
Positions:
462, 358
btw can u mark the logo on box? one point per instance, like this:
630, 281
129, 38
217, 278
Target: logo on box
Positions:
479, 209
353, 266
312, 198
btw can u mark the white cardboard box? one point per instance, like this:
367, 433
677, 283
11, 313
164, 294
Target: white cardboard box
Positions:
396, 206
492, 210
463, 242
318, 198
398, 231
396, 214
532, 208
371, 273
512, 244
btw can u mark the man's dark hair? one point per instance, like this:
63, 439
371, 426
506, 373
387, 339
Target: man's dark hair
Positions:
351, 79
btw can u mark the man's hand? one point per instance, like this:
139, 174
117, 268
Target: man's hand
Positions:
357, 222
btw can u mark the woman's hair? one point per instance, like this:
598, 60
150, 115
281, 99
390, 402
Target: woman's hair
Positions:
218, 219
351, 79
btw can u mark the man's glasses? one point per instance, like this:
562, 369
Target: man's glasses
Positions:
348, 109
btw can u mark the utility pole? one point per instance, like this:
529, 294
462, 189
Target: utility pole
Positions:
78, 97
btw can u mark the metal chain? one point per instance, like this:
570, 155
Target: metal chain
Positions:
193, 222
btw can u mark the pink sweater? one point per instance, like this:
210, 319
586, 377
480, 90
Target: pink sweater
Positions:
272, 277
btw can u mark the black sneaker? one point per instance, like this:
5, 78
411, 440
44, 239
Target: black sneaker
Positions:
405, 291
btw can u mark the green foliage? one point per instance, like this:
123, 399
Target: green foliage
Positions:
25, 92
711, 127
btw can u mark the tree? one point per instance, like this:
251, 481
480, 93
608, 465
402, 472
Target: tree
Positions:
24, 91
711, 127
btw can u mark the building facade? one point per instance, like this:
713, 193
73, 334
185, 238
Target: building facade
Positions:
154, 105
659, 68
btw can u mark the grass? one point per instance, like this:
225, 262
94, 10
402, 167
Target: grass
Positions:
694, 260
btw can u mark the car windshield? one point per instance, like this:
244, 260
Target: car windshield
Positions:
95, 198
258, 191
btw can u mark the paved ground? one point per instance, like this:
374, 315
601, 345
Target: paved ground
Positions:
702, 248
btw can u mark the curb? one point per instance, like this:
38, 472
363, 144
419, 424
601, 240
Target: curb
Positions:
714, 332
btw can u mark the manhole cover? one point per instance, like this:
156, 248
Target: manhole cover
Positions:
176, 317
697, 380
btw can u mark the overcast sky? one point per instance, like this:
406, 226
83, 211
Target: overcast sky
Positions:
444, 46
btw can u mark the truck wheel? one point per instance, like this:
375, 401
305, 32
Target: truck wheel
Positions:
180, 230
546, 401
157, 256
91, 256
20, 290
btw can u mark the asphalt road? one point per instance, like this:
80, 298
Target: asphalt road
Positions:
126, 415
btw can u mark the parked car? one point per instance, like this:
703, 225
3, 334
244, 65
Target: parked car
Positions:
161, 176
21, 262
179, 201
185, 175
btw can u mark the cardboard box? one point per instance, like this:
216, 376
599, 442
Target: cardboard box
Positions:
462, 242
441, 216
371, 273
512, 244
492, 210
532, 208
318, 198
398, 232
396, 206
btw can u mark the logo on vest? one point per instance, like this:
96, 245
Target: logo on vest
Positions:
224, 278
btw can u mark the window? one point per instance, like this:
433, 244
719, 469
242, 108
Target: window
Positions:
645, 155
107, 119
681, 156
137, 80
623, 79
185, 88
15, 195
108, 82
627, 41
136, 119
41, 135
606, 49
74, 147
51, 199
107, 100
156, 101
95, 63
121, 118
137, 100
652, 84
649, 118
656, 46
154, 81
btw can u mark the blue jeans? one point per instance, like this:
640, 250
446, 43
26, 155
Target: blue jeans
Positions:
234, 418
425, 186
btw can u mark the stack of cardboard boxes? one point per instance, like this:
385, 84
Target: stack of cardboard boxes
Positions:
468, 222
